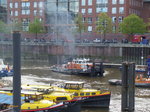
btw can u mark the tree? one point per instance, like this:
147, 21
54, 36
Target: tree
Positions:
79, 23
3, 27
104, 24
132, 24
36, 27
148, 25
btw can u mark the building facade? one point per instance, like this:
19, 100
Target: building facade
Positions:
3, 10
25, 11
116, 10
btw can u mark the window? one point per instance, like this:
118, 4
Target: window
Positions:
90, 11
114, 1
89, 28
41, 12
120, 19
83, 2
101, 1
89, 2
89, 20
93, 93
83, 19
83, 11
114, 19
101, 9
35, 4
121, 1
35, 12
121, 10
40, 4
75, 94
114, 10
25, 24
87, 93
25, 12
114, 29
16, 13
25, 4
11, 13
61, 98
16, 5
11, 5
81, 94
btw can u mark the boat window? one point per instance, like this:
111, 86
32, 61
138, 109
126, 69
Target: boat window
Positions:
93, 93
81, 94
61, 98
87, 93
76, 94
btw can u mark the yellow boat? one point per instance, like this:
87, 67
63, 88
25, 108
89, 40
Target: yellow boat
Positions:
74, 104
48, 95
35, 102
32, 102
89, 97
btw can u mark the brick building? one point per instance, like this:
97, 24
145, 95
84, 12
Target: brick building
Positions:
25, 11
116, 9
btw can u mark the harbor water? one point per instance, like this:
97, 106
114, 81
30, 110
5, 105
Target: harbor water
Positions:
43, 75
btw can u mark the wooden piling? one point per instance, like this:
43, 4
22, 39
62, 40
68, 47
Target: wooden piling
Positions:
16, 75
128, 86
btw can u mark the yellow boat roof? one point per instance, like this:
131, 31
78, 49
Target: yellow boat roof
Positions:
31, 92
73, 82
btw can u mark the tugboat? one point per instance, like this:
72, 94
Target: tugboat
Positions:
80, 66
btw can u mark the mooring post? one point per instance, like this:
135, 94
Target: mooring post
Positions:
124, 87
131, 76
128, 86
101, 69
16, 75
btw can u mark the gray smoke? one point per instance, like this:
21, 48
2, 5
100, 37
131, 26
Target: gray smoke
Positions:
61, 20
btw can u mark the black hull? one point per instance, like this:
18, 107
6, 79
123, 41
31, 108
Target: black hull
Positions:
89, 74
73, 107
102, 101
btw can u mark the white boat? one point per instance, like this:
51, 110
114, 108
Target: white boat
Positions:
5, 70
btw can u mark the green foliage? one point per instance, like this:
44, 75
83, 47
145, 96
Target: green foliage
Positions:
14, 27
148, 25
36, 27
79, 23
132, 24
104, 24
3, 27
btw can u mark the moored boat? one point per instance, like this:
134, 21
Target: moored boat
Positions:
35, 102
141, 82
91, 97
5, 70
69, 104
80, 66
